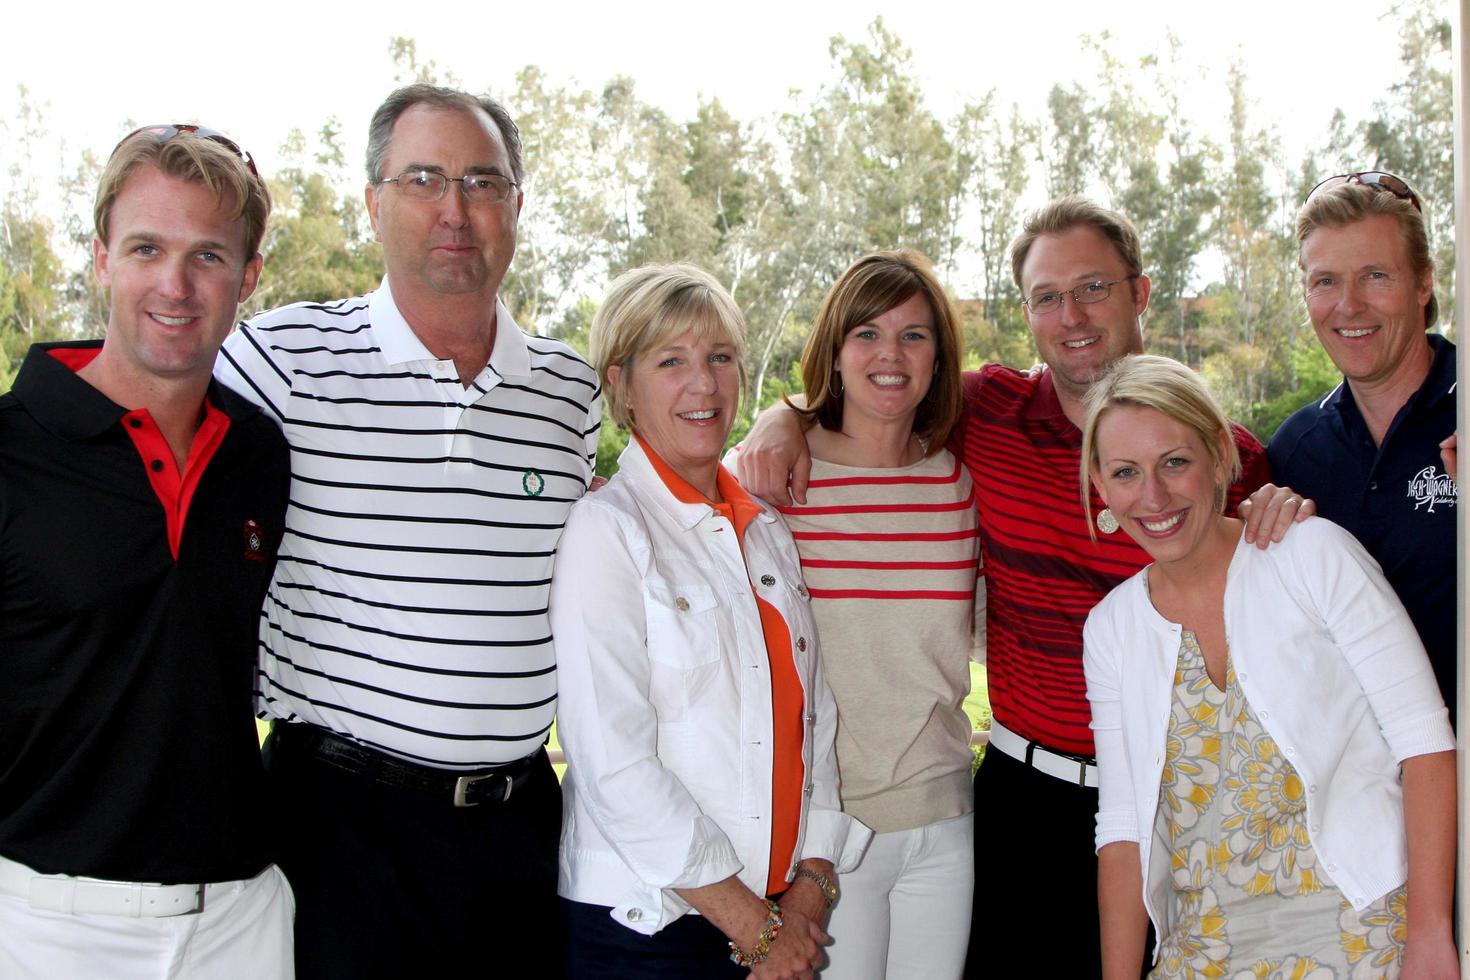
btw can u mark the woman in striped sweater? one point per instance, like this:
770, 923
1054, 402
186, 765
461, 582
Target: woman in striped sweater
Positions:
889, 551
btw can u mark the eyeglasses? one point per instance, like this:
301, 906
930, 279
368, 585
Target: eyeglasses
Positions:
429, 185
163, 132
1089, 292
1377, 180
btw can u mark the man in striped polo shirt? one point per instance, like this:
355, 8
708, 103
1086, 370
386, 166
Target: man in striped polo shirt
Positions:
405, 654
1080, 268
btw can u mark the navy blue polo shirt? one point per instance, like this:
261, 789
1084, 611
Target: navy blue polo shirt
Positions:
129, 615
1395, 498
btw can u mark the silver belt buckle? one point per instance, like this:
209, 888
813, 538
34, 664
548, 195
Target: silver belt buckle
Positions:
463, 783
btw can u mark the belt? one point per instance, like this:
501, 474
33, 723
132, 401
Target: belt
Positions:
1079, 770
461, 788
97, 896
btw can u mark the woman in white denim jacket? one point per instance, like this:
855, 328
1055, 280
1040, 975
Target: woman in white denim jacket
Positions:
1252, 710
666, 684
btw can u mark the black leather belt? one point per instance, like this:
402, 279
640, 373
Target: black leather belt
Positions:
462, 788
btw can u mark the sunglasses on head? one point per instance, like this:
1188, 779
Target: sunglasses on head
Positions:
1377, 180
165, 132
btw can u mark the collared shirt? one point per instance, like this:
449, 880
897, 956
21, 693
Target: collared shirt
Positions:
788, 775
130, 594
1043, 572
408, 610
1395, 498
667, 717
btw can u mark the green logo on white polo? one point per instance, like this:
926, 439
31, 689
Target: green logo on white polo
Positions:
533, 483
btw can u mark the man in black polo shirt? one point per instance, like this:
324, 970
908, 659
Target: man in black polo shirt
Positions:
140, 509
1369, 452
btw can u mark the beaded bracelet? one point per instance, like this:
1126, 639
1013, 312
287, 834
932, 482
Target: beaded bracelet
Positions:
763, 942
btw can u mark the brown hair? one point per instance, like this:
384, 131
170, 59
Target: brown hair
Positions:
189, 157
399, 101
1351, 202
870, 287
1066, 213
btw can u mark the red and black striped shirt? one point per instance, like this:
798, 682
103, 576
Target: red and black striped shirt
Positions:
1043, 572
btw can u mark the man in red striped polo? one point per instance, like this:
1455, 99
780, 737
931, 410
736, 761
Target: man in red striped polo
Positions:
1079, 267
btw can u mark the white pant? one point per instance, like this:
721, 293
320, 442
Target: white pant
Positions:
243, 930
905, 910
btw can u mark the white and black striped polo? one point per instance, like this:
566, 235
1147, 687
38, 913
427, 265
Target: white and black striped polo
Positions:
408, 608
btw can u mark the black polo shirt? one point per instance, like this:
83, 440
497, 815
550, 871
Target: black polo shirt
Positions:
128, 746
1395, 498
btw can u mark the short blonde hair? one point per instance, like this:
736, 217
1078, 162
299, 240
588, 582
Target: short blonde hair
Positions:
649, 306
870, 287
189, 157
1351, 202
1167, 387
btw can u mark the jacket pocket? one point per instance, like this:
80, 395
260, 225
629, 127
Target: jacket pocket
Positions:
683, 623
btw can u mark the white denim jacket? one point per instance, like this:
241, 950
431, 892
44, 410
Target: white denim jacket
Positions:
665, 701
1334, 671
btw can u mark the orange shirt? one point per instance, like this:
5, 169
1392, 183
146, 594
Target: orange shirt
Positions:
787, 701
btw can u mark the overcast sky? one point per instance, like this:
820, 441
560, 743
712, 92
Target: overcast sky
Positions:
256, 70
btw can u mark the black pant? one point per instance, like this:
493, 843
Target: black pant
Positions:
600, 948
391, 883
1035, 874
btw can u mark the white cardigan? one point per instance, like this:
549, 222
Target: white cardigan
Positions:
1331, 666
665, 712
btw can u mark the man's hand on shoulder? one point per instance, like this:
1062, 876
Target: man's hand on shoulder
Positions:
773, 461
1270, 511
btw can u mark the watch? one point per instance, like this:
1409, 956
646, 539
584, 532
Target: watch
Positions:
823, 883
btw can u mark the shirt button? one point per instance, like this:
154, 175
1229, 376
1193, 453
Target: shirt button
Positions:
1373, 485
634, 915
156, 466
681, 604
135, 423
801, 644
801, 591
768, 580
1265, 715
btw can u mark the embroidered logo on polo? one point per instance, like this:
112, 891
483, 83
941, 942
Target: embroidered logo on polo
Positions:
1430, 487
254, 542
533, 483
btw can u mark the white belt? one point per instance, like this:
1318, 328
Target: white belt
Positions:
95, 896
1079, 772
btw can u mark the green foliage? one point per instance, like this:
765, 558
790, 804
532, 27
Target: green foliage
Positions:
318, 245
777, 208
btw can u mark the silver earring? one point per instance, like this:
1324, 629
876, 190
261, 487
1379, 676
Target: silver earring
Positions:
1106, 522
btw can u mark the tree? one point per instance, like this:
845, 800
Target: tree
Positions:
1412, 132
33, 275
318, 246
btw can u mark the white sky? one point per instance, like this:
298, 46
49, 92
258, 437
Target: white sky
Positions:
257, 70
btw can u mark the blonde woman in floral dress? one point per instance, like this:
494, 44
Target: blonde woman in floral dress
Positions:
1277, 767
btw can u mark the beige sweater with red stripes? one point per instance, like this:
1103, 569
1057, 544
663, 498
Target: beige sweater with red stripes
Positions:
890, 558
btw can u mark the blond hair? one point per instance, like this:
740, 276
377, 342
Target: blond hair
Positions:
647, 307
1351, 202
194, 158
1173, 390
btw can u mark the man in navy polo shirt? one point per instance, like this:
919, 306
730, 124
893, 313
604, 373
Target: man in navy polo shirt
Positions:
1369, 452
141, 506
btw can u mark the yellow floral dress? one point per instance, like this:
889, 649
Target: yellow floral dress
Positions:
1249, 900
